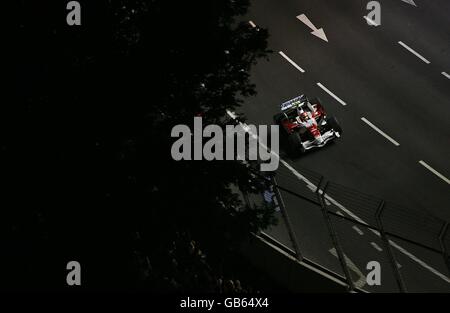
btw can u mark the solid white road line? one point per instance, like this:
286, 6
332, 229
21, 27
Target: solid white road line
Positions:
434, 172
359, 231
377, 247
252, 24
331, 94
380, 131
446, 75
414, 52
355, 217
290, 61
279, 243
232, 115
370, 21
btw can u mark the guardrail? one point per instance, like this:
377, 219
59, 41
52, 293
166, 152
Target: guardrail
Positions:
392, 225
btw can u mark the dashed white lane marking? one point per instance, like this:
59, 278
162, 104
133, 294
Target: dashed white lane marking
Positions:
435, 172
340, 213
380, 131
290, 61
359, 231
331, 94
362, 279
355, 217
413, 52
377, 247
370, 21
252, 24
446, 75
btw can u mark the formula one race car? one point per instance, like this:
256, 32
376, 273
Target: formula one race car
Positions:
306, 124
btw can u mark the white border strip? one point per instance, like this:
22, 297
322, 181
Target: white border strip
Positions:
331, 94
380, 131
414, 52
434, 172
290, 61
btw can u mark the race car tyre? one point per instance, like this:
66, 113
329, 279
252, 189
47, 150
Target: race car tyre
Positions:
278, 117
295, 144
334, 124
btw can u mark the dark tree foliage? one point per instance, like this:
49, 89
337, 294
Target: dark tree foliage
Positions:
85, 148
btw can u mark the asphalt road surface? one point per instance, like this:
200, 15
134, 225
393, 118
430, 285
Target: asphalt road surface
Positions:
389, 86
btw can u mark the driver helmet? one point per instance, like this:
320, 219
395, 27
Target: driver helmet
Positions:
304, 116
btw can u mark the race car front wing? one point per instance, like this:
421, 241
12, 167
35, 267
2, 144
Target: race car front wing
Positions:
321, 141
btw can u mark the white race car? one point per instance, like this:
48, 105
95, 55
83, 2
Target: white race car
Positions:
306, 124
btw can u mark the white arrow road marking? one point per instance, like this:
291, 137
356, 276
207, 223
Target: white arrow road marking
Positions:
446, 75
435, 172
351, 214
362, 279
290, 61
331, 94
414, 52
316, 32
410, 2
380, 131
370, 21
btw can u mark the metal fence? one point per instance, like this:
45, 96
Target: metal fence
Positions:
316, 215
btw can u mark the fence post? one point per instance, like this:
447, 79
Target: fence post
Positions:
334, 237
445, 253
387, 246
284, 213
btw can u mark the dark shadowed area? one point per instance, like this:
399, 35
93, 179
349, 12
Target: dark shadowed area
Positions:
85, 148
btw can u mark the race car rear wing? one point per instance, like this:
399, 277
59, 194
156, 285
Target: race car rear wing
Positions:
296, 102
